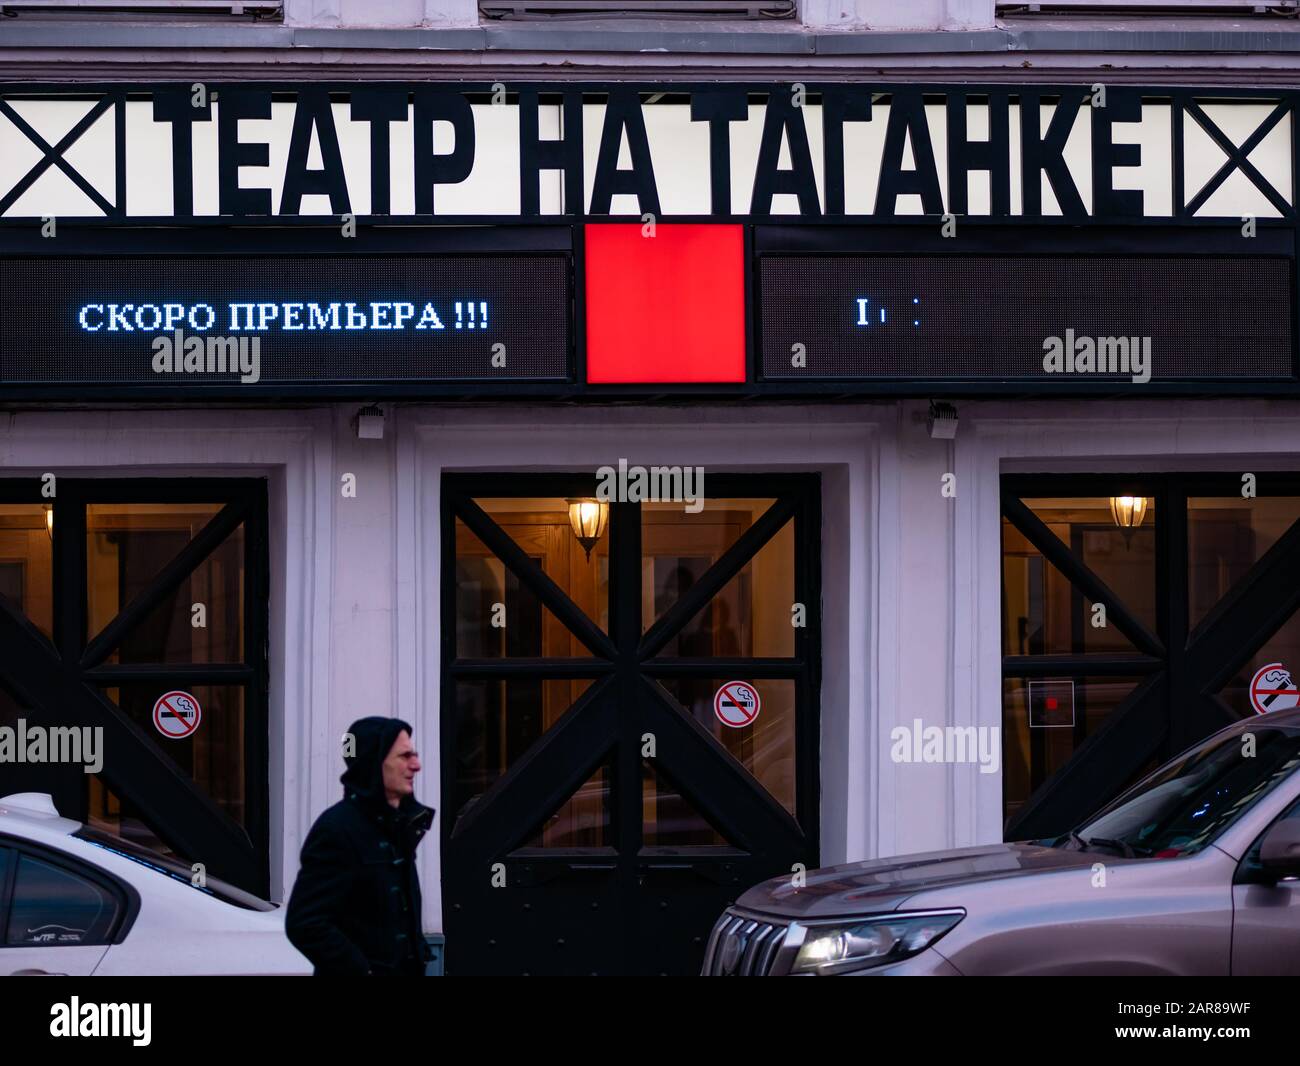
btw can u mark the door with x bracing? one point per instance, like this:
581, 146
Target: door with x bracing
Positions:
137, 609
629, 724
1141, 613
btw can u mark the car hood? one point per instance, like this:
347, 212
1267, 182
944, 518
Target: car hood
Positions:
886, 884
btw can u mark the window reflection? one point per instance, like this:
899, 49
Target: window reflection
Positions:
1044, 722
1043, 613
127, 547
498, 615
1276, 689
53, 907
497, 721
744, 618
767, 747
111, 814
213, 755
1226, 536
583, 820
27, 563
669, 819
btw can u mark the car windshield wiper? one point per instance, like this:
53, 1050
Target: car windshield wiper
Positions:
1122, 846
1129, 851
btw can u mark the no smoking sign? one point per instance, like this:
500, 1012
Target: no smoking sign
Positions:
1273, 689
176, 715
737, 704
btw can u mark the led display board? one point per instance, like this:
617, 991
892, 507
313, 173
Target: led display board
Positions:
187, 321
1040, 318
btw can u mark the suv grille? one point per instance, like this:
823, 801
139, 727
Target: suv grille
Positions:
741, 946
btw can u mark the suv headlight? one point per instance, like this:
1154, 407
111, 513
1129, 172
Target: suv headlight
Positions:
873, 942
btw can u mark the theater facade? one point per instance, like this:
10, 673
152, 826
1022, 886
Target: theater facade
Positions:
726, 474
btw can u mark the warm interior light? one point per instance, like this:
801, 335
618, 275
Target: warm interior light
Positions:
1128, 511
49, 520
587, 518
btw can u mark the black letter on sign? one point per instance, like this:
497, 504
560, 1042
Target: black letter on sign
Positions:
623, 112
175, 106
1047, 156
719, 110
232, 105
314, 110
782, 117
381, 108
838, 107
443, 168
993, 155
536, 155
1123, 105
907, 117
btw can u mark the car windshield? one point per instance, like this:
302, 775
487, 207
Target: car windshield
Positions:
173, 868
1186, 804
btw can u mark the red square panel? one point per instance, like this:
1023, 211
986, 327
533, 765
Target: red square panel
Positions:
668, 308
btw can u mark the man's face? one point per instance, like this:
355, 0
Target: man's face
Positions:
400, 768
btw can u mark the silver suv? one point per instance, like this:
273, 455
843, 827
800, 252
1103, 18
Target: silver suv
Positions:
1194, 870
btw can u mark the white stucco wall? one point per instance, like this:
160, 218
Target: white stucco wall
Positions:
818, 14
893, 15
390, 14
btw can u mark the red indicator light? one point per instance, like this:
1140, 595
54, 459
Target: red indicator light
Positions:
668, 308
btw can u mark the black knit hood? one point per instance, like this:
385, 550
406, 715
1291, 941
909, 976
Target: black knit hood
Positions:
373, 738
363, 780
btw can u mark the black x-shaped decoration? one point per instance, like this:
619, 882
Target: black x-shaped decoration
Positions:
53, 154
1237, 157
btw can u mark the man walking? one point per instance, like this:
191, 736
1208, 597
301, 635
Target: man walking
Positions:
355, 908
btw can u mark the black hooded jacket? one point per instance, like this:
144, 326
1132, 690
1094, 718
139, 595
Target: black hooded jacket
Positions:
355, 908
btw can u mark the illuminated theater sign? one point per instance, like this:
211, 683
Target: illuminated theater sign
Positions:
439, 239
536, 151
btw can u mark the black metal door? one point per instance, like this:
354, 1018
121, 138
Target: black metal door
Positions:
99, 585
1186, 631
662, 822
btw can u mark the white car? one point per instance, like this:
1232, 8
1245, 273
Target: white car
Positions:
76, 902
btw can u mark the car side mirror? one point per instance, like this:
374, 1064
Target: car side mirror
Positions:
1279, 851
